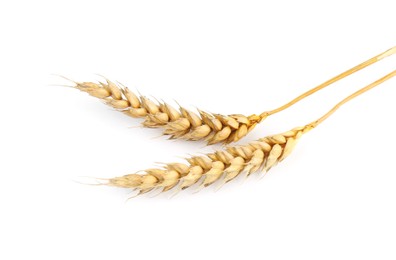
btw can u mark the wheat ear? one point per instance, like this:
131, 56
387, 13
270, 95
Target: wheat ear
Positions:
177, 123
224, 165
184, 124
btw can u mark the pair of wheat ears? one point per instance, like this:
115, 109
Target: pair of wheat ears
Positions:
222, 165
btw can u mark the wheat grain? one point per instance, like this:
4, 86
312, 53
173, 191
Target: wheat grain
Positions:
184, 124
225, 165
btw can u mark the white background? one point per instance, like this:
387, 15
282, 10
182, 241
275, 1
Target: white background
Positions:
333, 198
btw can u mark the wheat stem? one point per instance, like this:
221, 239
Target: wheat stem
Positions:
350, 97
333, 80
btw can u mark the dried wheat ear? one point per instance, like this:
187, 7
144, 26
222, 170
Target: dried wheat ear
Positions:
184, 124
177, 123
224, 165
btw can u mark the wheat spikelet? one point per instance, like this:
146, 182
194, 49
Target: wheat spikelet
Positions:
225, 165
220, 166
184, 124
177, 123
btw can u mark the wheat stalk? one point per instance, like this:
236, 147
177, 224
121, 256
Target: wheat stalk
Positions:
224, 165
184, 124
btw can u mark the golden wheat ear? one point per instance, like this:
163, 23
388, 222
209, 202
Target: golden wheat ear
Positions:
178, 123
184, 124
223, 166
